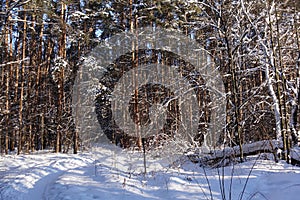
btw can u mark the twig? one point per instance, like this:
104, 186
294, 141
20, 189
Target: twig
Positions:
208, 183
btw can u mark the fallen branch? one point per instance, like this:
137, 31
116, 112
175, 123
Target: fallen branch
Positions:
14, 62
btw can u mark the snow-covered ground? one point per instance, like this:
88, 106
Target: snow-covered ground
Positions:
111, 173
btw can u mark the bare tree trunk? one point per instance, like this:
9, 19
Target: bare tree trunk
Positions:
21, 125
62, 54
296, 106
7, 43
280, 88
75, 134
7, 109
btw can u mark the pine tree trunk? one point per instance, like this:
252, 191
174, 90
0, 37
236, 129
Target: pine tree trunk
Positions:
21, 126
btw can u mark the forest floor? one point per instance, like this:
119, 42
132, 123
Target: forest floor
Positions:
108, 172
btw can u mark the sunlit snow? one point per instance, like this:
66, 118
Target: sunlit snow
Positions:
111, 173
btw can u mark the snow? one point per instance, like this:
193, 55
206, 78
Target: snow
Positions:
109, 173
80, 14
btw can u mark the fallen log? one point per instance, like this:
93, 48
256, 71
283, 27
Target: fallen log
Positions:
224, 156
